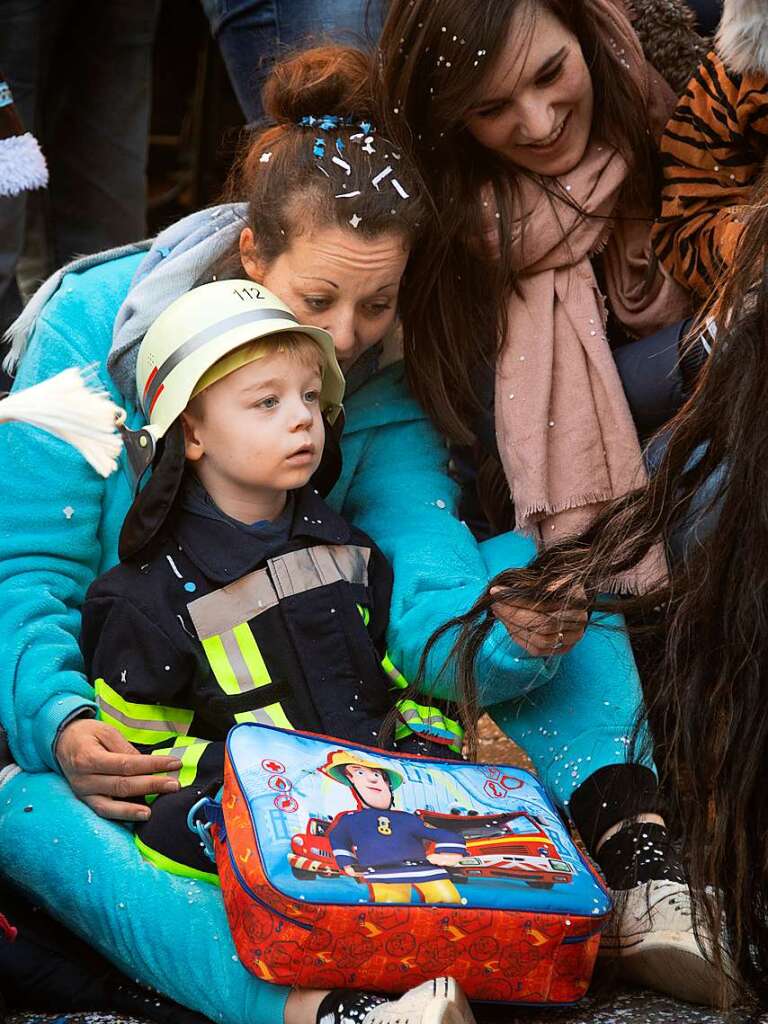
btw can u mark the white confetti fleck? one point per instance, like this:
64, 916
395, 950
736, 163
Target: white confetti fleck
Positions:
68, 511
265, 158
381, 176
341, 163
354, 220
173, 567
348, 195
399, 189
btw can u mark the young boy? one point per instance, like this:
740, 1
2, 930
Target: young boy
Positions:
240, 596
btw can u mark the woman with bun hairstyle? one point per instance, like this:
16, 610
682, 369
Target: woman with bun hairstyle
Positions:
323, 212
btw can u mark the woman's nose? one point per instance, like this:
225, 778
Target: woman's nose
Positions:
536, 121
342, 329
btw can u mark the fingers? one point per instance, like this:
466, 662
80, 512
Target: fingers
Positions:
117, 810
121, 757
106, 763
541, 633
124, 787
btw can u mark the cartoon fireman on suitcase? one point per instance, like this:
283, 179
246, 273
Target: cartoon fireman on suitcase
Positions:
385, 847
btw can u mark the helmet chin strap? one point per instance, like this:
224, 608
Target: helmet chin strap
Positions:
140, 449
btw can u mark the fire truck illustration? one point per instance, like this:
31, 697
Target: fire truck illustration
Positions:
513, 845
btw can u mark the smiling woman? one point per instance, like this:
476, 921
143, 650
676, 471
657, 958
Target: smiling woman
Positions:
533, 126
536, 107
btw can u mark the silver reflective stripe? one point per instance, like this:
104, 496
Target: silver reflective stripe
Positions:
293, 573
237, 662
238, 602
251, 316
151, 724
299, 571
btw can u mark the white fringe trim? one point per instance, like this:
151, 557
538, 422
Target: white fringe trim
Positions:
75, 407
742, 36
22, 165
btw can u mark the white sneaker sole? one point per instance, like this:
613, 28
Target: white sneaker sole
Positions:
450, 1005
441, 1001
442, 1012
666, 962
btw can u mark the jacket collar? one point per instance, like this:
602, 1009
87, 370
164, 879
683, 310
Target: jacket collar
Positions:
223, 553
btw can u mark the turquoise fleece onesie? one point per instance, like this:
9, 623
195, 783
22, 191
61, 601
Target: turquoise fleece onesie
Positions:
59, 524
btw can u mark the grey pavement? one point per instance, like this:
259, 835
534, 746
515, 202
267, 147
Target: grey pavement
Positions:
608, 1007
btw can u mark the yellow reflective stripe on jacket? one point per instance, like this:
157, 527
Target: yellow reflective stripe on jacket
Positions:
189, 750
239, 667
394, 674
222, 670
236, 660
272, 714
420, 718
365, 614
173, 866
141, 723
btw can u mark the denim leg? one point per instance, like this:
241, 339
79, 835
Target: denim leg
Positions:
21, 58
253, 33
96, 126
704, 512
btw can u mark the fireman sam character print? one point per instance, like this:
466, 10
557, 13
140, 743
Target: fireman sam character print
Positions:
386, 847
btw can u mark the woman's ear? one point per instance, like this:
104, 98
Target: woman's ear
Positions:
194, 448
249, 257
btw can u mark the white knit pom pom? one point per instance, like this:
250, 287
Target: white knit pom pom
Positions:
69, 406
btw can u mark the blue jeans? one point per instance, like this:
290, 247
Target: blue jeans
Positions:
253, 33
80, 73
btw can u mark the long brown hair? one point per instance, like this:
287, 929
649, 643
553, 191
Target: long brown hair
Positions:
707, 695
289, 189
434, 61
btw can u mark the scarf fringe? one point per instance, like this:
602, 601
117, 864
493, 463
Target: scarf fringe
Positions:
534, 512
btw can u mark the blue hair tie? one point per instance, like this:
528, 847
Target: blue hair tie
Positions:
331, 122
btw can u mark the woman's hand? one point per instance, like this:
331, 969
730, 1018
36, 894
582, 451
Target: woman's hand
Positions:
106, 771
540, 628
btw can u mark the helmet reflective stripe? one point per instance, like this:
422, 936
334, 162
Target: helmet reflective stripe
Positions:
156, 379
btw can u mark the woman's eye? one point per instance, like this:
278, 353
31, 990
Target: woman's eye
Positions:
551, 76
267, 403
317, 303
490, 112
378, 308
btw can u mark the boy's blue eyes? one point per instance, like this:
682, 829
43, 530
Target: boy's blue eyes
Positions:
272, 402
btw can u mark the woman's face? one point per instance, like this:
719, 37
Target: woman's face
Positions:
535, 109
338, 280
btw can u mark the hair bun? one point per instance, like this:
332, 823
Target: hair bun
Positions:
323, 80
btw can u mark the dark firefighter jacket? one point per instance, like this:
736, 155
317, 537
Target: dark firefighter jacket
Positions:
206, 632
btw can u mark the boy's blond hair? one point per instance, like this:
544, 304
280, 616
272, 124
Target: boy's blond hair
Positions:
291, 342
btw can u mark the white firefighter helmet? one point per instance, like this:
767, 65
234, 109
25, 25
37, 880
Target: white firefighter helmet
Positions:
203, 326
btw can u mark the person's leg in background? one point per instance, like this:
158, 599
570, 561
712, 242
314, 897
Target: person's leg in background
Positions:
253, 33
21, 62
707, 14
95, 125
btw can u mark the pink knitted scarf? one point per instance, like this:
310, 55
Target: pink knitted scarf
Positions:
565, 433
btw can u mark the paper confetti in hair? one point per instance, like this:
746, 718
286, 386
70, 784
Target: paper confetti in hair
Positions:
70, 407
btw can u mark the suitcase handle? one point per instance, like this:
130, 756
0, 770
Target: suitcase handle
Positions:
202, 815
